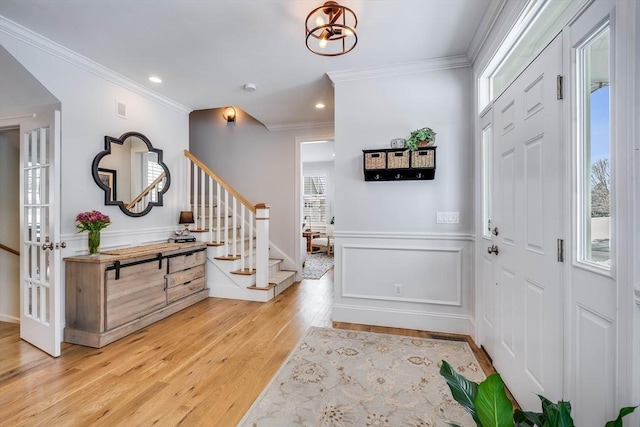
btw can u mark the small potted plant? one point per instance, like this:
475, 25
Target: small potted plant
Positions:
423, 137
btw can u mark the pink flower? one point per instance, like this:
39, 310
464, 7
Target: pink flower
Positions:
92, 221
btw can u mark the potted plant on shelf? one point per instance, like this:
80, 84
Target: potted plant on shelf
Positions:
423, 137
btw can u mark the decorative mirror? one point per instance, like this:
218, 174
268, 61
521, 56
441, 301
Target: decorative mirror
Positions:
131, 173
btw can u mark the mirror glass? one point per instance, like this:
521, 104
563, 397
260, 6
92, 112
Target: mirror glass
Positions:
131, 173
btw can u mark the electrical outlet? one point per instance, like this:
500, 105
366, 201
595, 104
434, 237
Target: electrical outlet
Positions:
397, 289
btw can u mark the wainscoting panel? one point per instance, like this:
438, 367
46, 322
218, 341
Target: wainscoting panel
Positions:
423, 275
412, 281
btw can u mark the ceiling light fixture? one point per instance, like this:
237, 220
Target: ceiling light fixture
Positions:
319, 105
229, 114
331, 30
155, 79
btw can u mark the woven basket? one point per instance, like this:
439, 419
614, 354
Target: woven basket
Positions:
422, 159
398, 160
375, 160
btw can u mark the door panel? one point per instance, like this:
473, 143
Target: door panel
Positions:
40, 296
528, 213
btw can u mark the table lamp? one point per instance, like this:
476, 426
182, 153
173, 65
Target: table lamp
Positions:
186, 218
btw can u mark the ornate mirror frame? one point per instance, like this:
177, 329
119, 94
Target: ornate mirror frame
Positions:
109, 191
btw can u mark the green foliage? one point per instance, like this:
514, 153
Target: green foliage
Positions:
623, 412
419, 135
492, 404
463, 390
489, 405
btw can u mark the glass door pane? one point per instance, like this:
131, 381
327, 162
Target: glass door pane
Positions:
595, 149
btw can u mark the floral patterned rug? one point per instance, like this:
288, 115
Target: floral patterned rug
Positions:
350, 378
316, 265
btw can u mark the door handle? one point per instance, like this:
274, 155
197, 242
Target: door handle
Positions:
493, 249
61, 245
47, 246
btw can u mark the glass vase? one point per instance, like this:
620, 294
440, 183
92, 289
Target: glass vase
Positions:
94, 242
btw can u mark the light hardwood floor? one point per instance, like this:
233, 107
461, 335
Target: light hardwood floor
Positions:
203, 366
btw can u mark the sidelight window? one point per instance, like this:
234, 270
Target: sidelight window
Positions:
594, 149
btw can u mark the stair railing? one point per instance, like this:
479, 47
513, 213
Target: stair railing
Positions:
149, 193
207, 192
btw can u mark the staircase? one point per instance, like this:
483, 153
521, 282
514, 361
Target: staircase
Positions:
237, 235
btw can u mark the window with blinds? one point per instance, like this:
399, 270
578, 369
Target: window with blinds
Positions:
151, 171
315, 202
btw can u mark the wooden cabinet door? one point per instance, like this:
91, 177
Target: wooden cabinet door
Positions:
139, 290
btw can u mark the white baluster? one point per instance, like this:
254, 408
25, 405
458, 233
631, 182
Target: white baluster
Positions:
218, 212
210, 201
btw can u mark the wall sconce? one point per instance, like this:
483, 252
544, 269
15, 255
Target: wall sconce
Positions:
229, 114
186, 218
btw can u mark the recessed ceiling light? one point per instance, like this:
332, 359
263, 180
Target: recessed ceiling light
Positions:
155, 79
319, 105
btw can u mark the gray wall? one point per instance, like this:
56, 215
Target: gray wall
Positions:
9, 220
258, 163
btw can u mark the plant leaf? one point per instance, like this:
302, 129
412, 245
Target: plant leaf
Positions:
556, 414
528, 418
493, 407
463, 390
623, 412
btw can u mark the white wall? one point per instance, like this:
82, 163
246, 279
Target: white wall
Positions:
386, 232
87, 93
9, 217
258, 163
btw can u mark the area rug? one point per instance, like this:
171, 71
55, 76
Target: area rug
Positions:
316, 265
349, 378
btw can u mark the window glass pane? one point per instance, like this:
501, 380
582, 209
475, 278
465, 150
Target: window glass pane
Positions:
530, 43
595, 148
315, 202
486, 180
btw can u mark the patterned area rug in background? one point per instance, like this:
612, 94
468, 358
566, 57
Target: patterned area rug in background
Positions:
316, 265
342, 378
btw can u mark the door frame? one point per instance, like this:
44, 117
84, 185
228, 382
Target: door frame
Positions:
297, 188
626, 20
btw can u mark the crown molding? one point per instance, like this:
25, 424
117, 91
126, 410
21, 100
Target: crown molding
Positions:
435, 64
487, 23
298, 126
38, 41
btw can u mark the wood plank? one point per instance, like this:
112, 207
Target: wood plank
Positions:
204, 365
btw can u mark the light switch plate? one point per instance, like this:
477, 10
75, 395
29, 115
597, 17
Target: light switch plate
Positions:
447, 217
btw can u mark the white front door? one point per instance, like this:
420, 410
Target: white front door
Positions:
40, 258
528, 213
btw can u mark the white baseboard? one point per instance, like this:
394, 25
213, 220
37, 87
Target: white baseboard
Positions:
8, 319
405, 319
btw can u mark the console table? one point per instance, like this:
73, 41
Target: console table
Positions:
115, 293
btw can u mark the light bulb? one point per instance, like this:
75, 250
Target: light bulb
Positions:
348, 32
319, 21
323, 43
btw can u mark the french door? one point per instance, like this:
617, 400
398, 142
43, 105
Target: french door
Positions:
40, 258
526, 334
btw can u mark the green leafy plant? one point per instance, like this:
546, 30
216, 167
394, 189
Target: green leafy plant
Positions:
418, 136
489, 406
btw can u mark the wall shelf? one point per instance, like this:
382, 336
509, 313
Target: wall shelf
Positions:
398, 164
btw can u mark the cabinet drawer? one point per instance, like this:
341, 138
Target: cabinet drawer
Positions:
180, 291
180, 277
182, 262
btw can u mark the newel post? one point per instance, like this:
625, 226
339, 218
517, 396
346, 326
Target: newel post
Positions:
262, 245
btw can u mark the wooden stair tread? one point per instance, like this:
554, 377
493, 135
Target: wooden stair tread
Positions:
280, 276
245, 272
227, 258
269, 287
